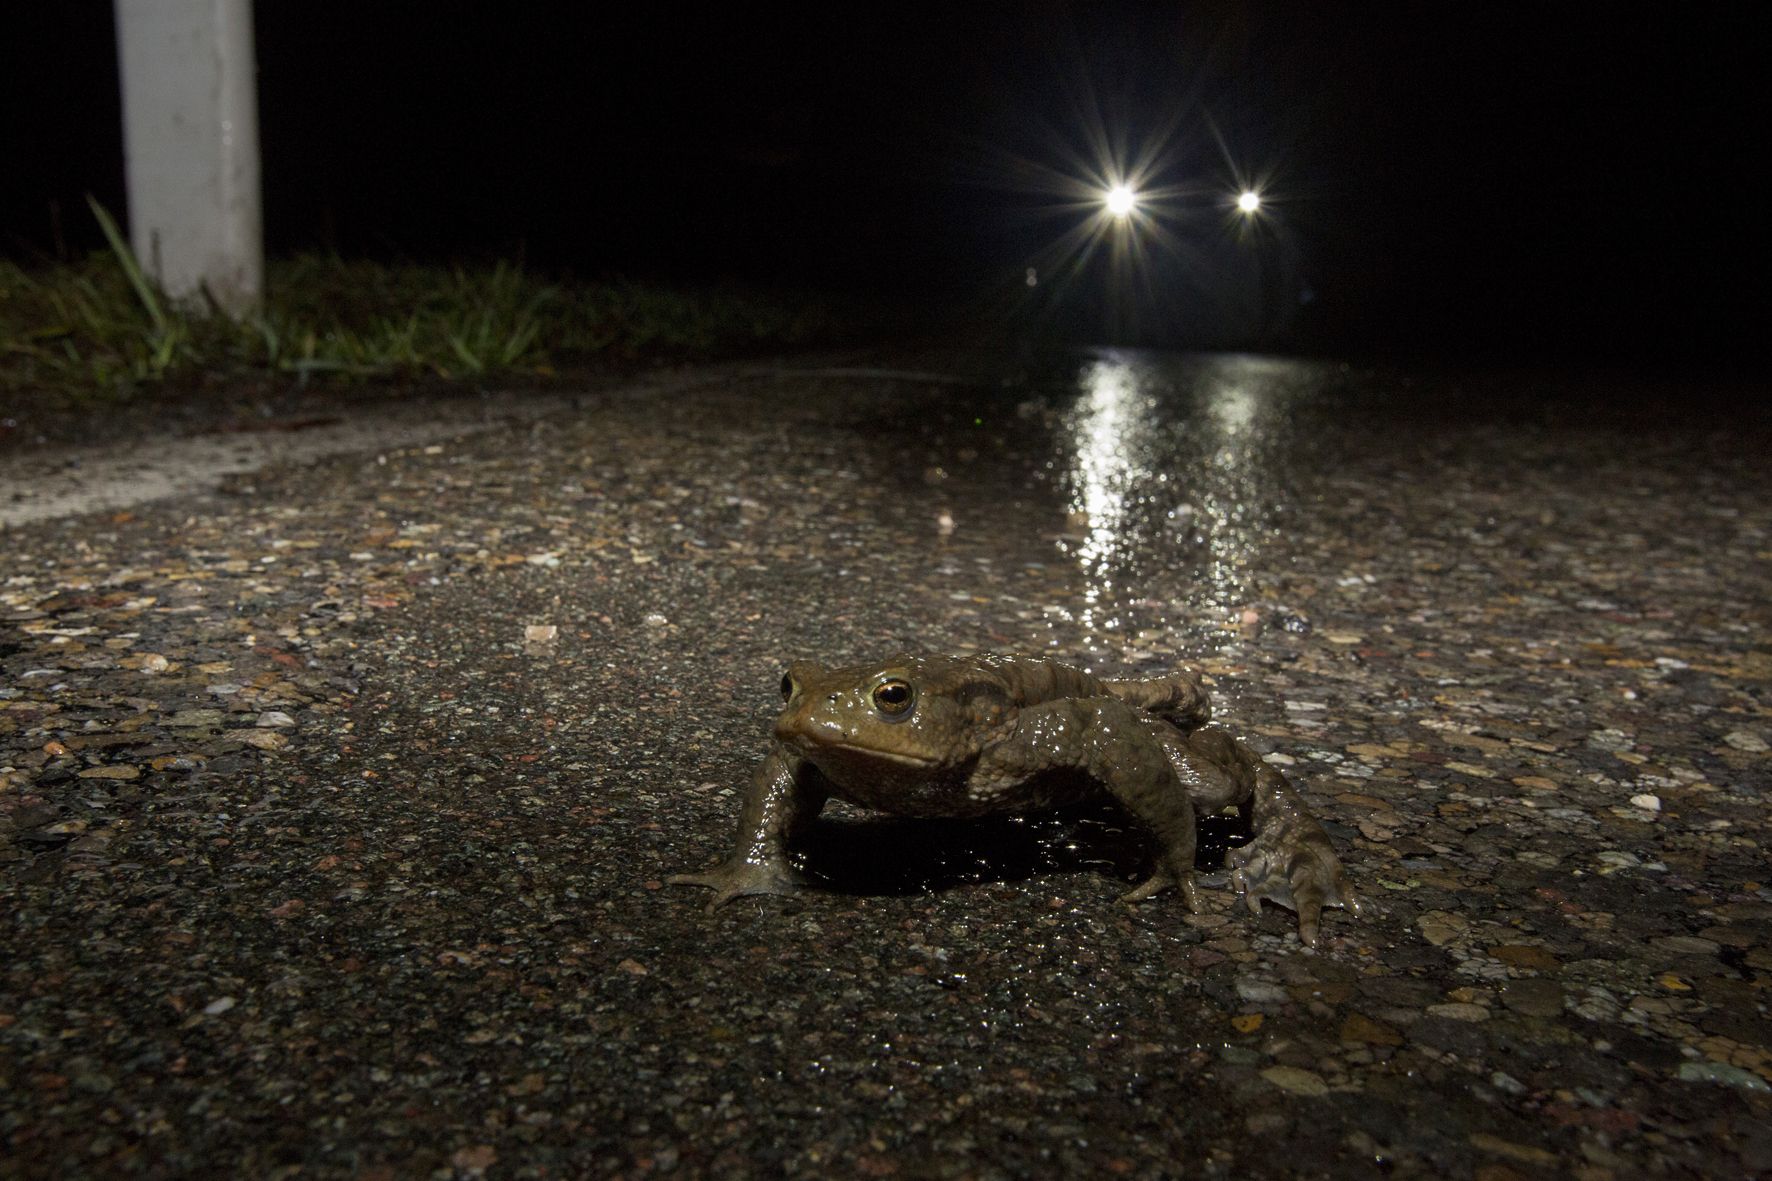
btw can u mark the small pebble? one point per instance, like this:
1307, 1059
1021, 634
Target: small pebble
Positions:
1722, 1072
1296, 1080
1459, 1011
1262, 992
1506, 1083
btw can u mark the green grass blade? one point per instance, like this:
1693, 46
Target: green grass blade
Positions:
144, 290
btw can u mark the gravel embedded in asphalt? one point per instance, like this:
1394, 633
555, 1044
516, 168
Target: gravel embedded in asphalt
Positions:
336, 801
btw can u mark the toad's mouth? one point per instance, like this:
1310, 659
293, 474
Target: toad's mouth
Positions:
822, 747
873, 754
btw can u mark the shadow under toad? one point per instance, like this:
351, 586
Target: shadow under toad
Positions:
894, 856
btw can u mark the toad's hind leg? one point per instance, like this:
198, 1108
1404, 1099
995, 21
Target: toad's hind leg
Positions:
1295, 868
1291, 861
1178, 698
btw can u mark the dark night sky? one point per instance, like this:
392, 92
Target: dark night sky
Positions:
1576, 177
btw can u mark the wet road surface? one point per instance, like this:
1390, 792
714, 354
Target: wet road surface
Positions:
336, 803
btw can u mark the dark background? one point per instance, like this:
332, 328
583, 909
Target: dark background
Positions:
1502, 179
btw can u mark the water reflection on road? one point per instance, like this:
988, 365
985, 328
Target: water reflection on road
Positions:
1112, 429
1176, 477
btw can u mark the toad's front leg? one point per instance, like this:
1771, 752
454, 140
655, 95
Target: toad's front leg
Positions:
785, 796
1107, 741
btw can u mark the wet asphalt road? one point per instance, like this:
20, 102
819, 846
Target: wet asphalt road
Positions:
336, 802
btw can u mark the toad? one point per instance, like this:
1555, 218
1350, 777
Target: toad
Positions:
962, 736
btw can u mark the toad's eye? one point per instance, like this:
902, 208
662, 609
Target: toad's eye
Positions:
787, 686
894, 698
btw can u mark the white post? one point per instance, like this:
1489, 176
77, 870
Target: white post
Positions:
190, 139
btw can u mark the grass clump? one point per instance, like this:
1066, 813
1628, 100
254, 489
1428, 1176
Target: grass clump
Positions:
99, 328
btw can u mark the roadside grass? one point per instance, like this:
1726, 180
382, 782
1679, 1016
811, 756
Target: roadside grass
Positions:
97, 330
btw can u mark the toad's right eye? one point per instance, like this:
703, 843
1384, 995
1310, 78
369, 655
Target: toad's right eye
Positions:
787, 687
894, 699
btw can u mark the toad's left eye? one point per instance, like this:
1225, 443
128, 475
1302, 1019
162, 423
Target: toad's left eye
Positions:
894, 698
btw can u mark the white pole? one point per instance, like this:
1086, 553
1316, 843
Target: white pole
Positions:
190, 140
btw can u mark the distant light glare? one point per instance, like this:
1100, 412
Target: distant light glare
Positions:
1249, 201
1121, 200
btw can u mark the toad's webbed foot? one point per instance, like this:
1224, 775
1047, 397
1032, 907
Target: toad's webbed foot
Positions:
1294, 866
736, 878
